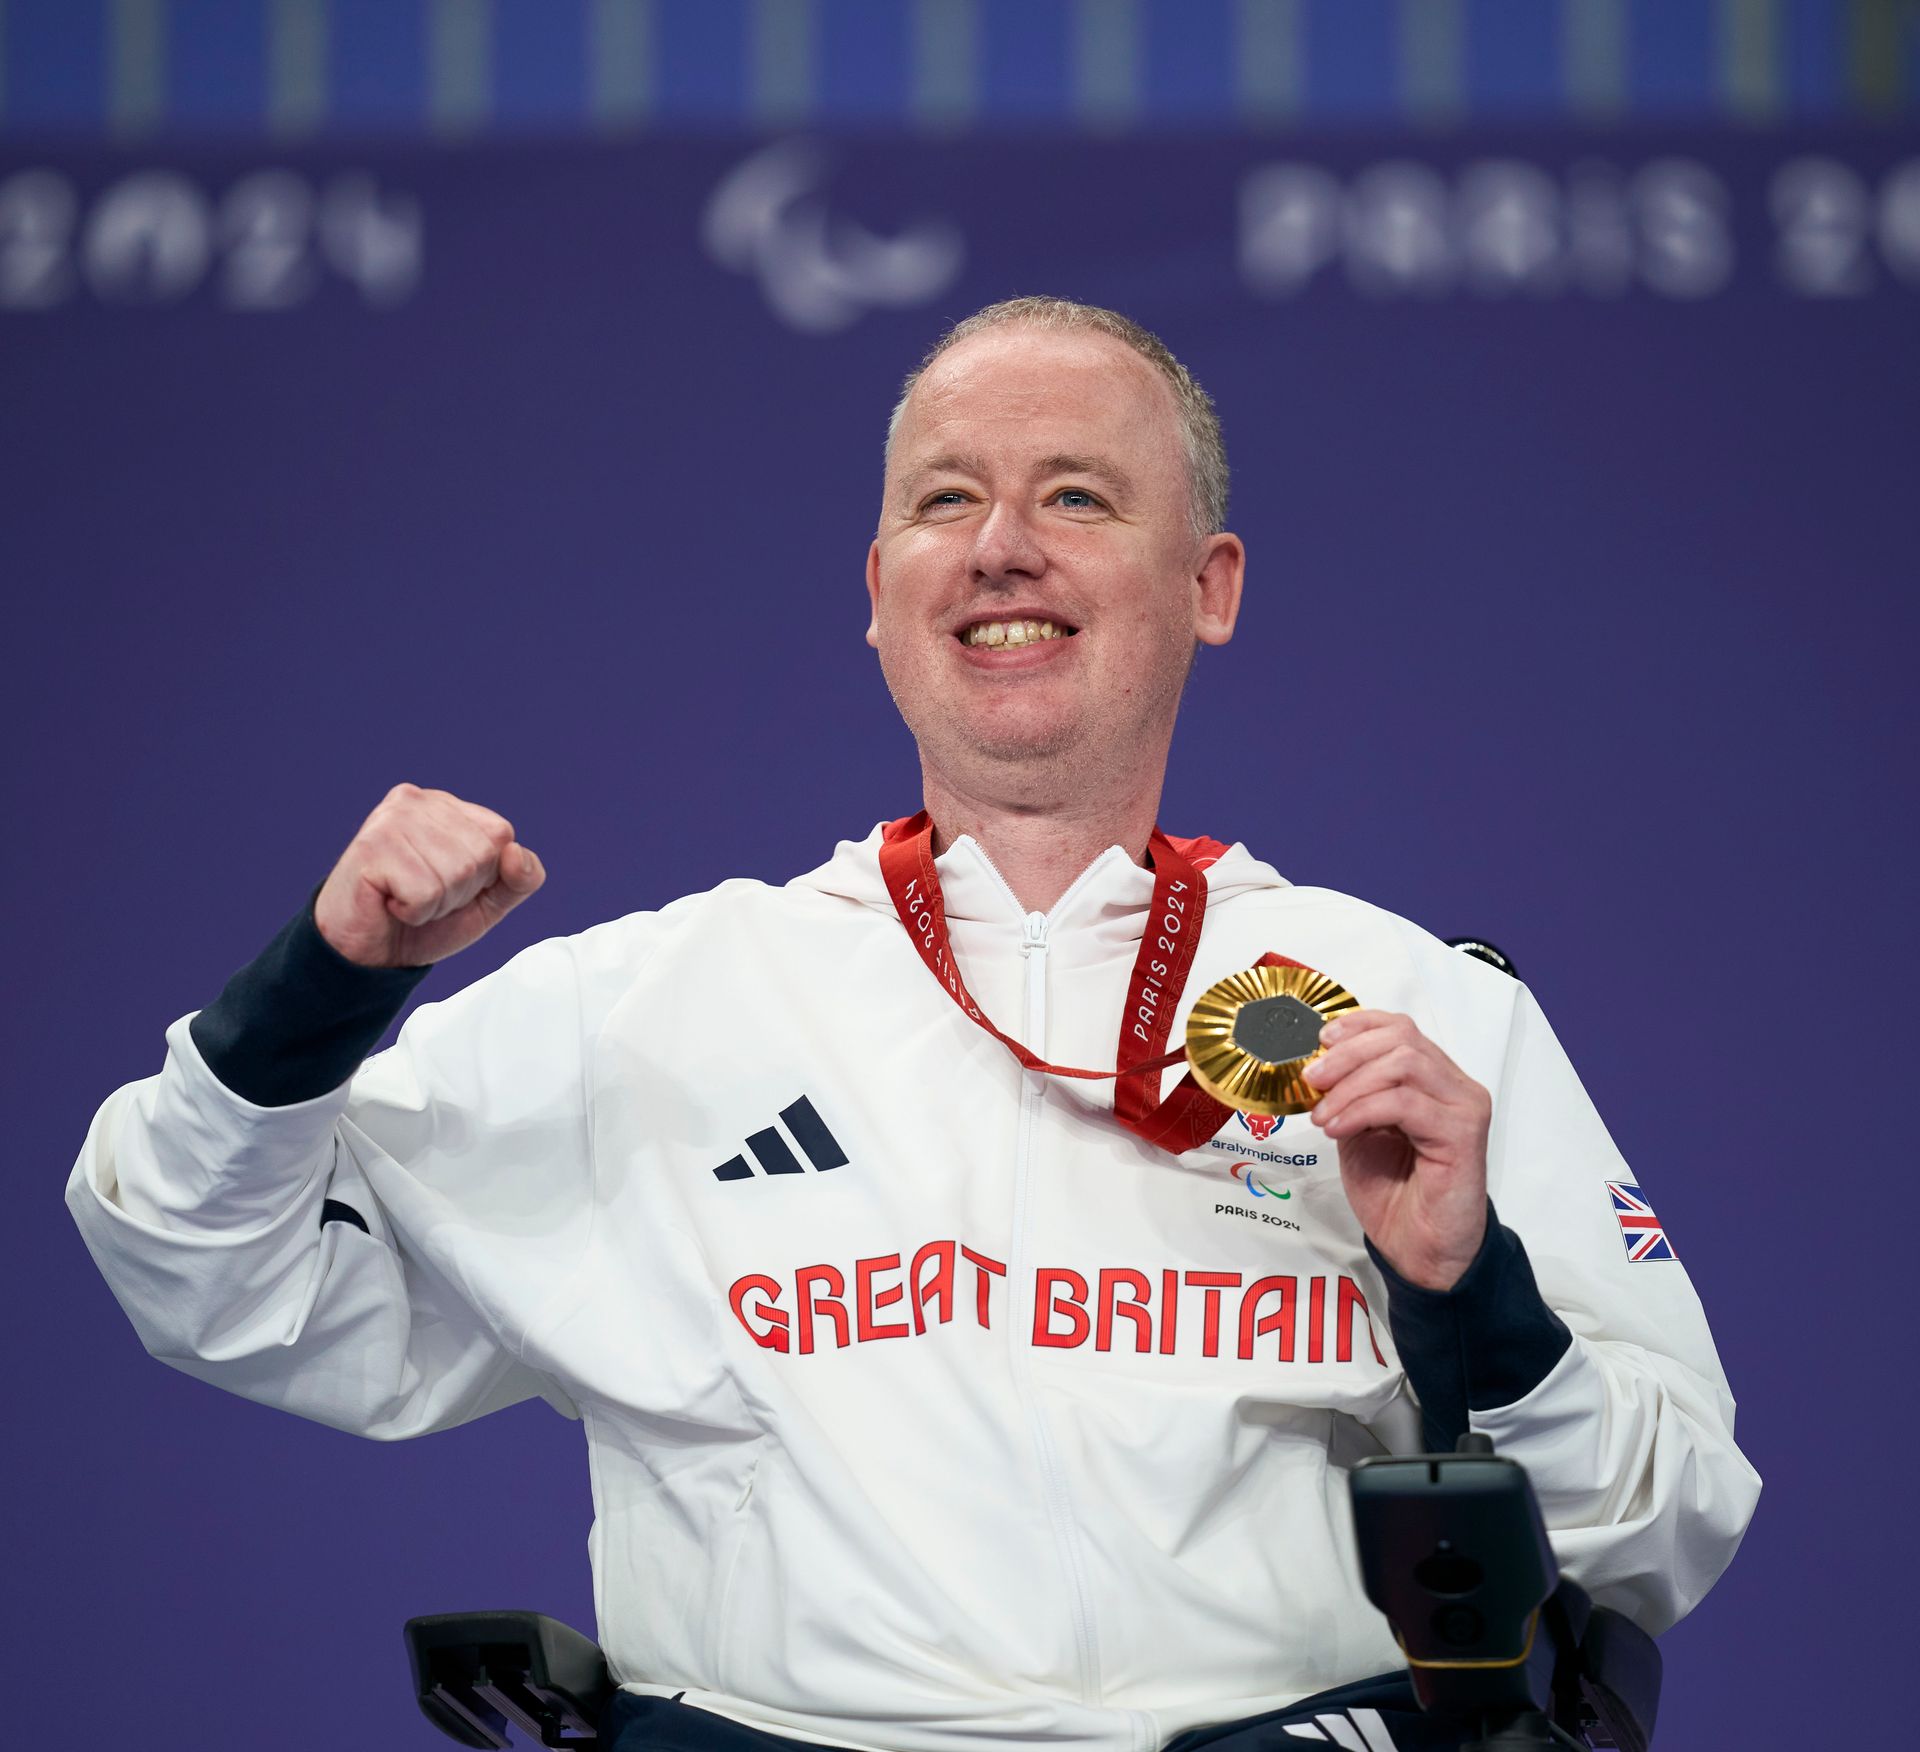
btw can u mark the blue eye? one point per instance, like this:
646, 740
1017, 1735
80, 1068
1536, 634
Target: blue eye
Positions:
1077, 499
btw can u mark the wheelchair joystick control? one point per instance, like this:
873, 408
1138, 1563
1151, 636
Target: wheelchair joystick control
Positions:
1454, 1551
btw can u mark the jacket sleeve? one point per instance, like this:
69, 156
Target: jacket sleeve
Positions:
370, 1257
1603, 1382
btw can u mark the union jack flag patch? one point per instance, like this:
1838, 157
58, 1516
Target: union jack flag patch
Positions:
1639, 1228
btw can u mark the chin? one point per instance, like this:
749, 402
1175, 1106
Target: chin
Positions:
1020, 754
1002, 727
1001, 738
1014, 743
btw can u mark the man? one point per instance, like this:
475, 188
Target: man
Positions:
938, 1401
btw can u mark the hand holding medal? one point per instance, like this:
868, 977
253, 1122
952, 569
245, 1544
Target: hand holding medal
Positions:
1251, 1037
1411, 1127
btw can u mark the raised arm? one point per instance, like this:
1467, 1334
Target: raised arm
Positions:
282, 1227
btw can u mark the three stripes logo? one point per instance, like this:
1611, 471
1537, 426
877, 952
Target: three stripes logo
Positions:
1357, 1730
775, 1155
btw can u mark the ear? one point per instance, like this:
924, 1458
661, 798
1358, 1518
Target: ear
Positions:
873, 594
1216, 588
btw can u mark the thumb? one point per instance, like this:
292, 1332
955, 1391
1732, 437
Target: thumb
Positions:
521, 872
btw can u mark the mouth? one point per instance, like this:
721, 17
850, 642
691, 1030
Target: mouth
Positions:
1011, 632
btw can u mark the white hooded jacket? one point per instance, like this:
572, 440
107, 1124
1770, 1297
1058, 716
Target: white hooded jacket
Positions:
927, 1408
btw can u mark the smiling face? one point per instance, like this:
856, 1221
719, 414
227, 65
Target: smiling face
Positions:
1037, 586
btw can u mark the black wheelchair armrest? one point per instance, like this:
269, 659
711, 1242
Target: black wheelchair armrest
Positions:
477, 1672
1619, 1679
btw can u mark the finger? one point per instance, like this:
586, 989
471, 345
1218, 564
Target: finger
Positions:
1396, 1034
1416, 1063
1402, 1065
461, 806
1361, 1033
471, 819
466, 840
431, 797
415, 892
1351, 1052
464, 860
1399, 1033
1354, 1022
1425, 1122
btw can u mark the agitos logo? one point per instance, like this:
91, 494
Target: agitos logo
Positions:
1243, 1172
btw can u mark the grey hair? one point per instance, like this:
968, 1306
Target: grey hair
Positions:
1206, 451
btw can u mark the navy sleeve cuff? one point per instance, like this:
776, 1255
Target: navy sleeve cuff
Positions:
296, 1021
1486, 1342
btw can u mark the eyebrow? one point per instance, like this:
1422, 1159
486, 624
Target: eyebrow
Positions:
1097, 466
947, 462
952, 462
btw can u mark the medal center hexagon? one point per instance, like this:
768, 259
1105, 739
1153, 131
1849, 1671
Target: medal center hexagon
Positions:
1276, 1030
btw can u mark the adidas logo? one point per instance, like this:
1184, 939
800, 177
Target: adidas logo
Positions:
1358, 1730
775, 1155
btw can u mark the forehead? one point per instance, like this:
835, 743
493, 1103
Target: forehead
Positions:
1024, 390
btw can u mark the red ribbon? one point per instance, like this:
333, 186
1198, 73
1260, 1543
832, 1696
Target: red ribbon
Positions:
1188, 1116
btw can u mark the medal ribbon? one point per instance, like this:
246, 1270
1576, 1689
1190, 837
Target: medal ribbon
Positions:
1188, 1116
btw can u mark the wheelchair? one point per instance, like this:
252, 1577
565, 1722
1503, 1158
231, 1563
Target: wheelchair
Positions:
1452, 1550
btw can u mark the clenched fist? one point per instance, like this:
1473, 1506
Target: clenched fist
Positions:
425, 876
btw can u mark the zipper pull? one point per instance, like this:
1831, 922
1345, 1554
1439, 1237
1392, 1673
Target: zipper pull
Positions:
1033, 934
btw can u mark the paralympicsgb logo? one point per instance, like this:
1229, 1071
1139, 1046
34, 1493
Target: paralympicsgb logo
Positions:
1260, 1129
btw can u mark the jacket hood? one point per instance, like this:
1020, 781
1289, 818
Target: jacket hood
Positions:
974, 889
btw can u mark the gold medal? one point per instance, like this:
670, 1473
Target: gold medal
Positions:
1251, 1037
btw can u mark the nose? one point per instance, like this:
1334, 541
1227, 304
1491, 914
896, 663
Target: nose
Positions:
1006, 548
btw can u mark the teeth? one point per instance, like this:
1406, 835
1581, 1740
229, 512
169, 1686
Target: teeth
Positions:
1017, 632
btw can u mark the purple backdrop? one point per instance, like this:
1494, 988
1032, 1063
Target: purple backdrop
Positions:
1578, 475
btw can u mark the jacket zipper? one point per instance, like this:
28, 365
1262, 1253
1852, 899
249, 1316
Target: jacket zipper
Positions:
1058, 1498
1142, 1731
